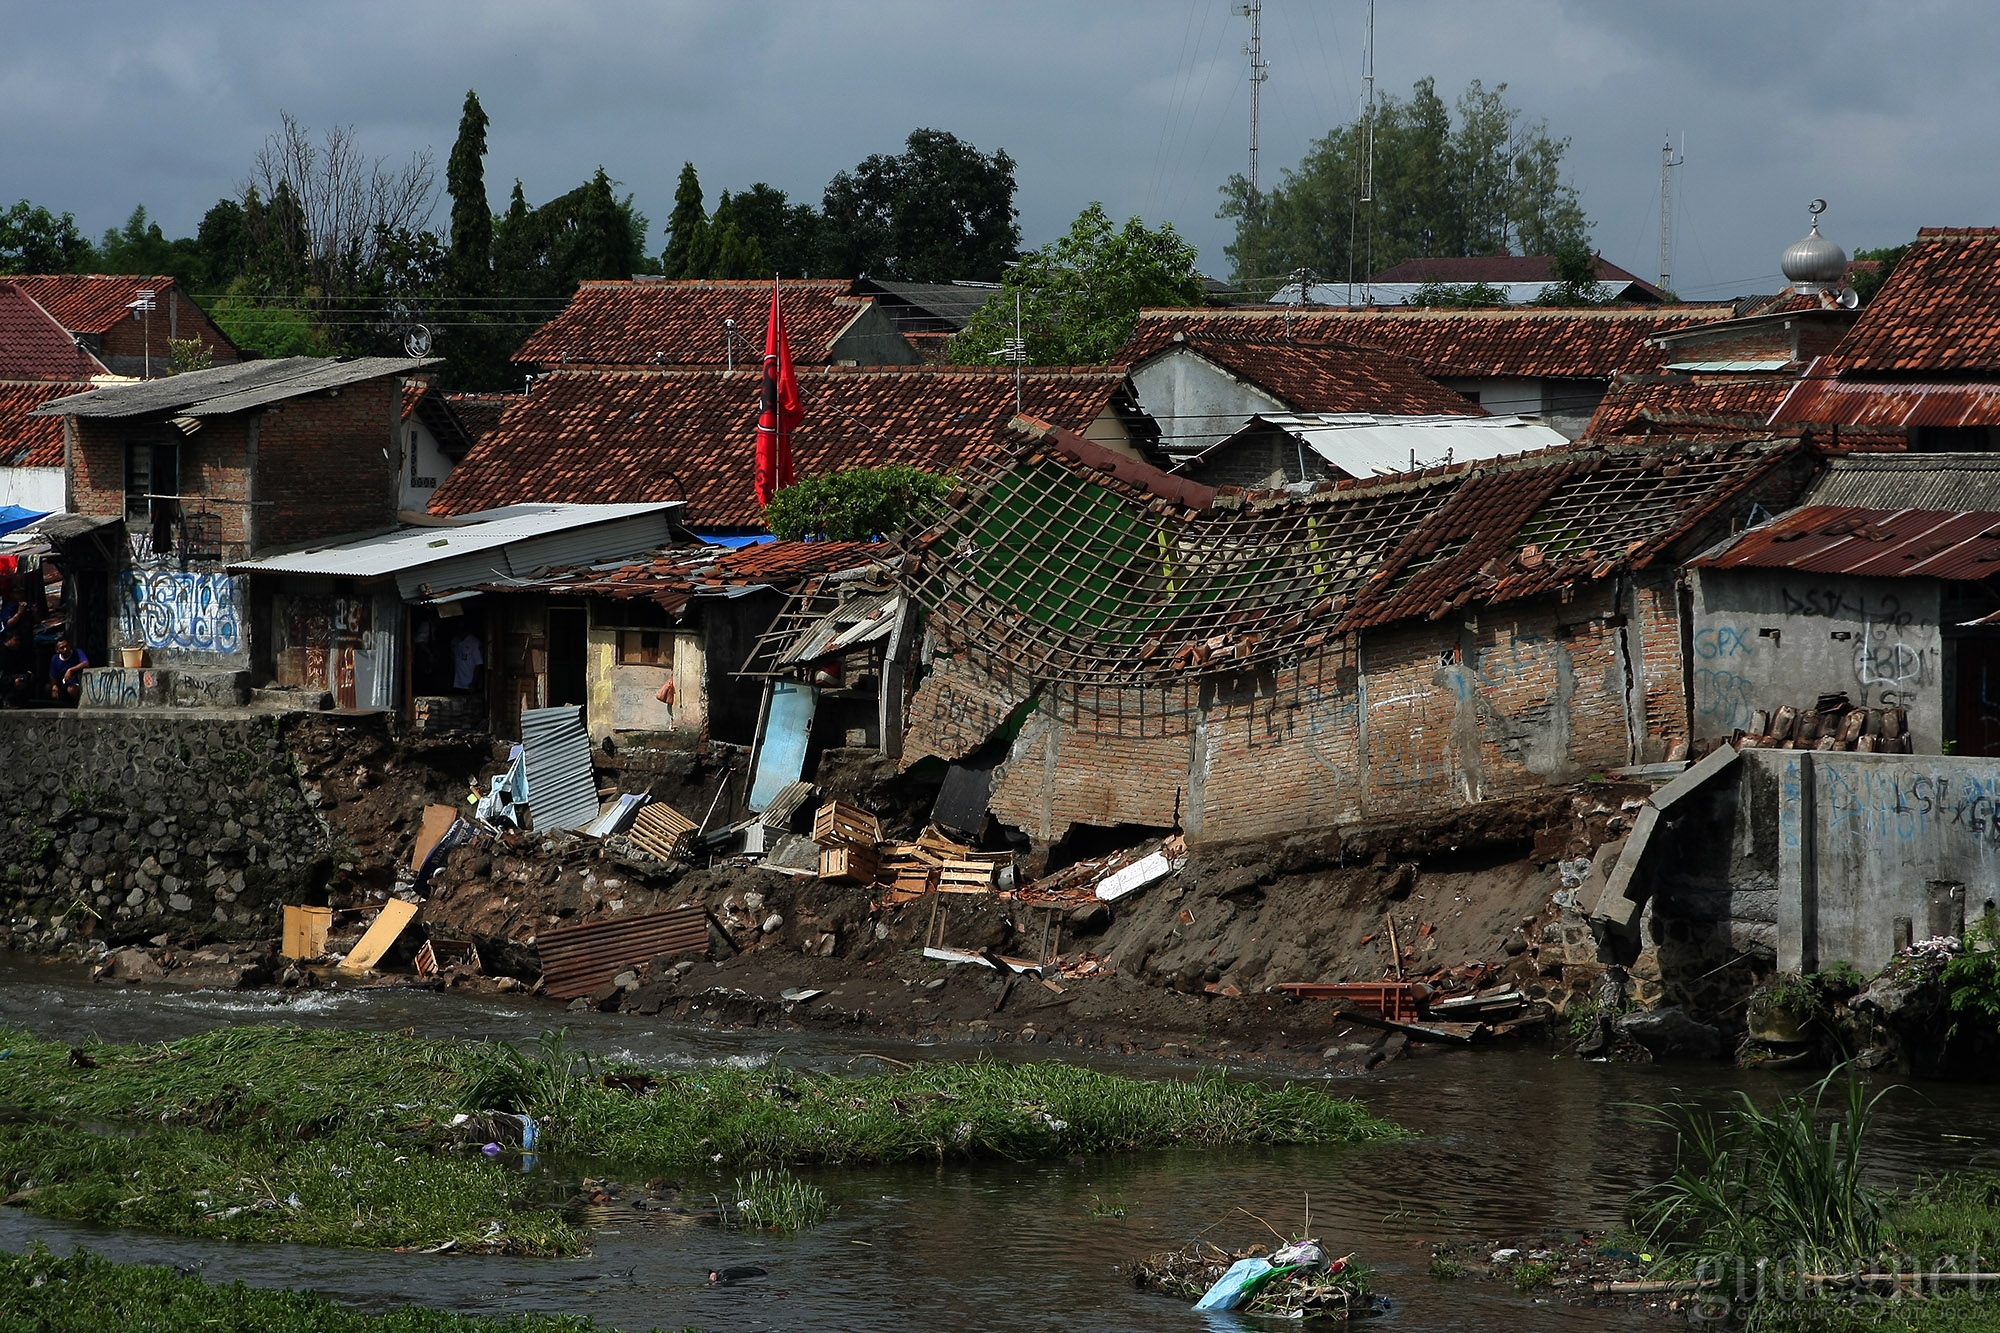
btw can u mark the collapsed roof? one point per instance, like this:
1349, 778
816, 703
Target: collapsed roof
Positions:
1070, 565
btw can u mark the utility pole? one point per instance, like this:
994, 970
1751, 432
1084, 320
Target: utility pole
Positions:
1668, 161
1259, 71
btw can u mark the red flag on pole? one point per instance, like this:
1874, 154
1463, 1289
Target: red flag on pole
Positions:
781, 410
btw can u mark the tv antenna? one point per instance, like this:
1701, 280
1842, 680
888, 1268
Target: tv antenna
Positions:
1669, 159
1259, 71
417, 342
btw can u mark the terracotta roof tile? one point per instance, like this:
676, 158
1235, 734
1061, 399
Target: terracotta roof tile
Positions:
629, 436
480, 412
679, 324
30, 441
1533, 344
413, 393
1939, 311
90, 302
1332, 376
1675, 405
33, 346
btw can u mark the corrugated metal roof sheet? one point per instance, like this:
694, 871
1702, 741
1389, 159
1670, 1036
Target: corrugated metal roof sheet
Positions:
1876, 543
562, 787
1910, 481
1822, 399
1727, 367
236, 387
481, 533
576, 960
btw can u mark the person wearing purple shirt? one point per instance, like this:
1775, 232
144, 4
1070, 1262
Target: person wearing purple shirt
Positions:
66, 671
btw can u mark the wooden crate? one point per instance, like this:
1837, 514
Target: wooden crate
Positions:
305, 931
838, 824
663, 831
849, 864
941, 847
965, 877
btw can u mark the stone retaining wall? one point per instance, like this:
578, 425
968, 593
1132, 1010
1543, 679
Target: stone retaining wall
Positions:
125, 826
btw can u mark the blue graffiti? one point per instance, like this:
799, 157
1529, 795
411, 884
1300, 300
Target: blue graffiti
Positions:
172, 609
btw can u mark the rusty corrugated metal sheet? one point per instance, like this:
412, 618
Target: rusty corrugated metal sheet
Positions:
1819, 399
1875, 543
576, 960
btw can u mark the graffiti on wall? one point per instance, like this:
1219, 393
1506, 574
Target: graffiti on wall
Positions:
181, 610
1724, 693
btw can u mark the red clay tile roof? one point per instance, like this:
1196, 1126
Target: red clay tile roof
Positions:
1050, 570
90, 302
627, 323
413, 393
630, 436
30, 441
1332, 376
1530, 344
480, 412
674, 575
1881, 543
1939, 311
1501, 268
1675, 405
35, 347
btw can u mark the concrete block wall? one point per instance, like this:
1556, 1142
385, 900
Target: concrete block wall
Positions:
123, 826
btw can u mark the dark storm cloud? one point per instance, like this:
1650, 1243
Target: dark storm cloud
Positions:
1885, 111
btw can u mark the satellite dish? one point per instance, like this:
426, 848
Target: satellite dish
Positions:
1849, 298
417, 341
1816, 207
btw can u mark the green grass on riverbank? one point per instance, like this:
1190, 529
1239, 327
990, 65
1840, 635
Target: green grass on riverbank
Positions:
344, 1138
43, 1293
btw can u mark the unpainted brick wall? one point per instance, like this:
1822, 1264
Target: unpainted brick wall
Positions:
131, 337
213, 461
326, 464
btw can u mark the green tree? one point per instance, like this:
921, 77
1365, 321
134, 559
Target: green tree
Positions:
471, 213
938, 211
1434, 295
687, 228
1574, 270
855, 505
138, 247
786, 234
1489, 183
34, 240
1080, 294
1867, 282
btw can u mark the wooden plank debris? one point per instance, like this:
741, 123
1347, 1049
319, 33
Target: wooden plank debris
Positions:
388, 926
438, 820
849, 864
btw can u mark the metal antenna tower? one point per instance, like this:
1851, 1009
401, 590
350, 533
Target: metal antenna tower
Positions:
1368, 111
1668, 161
1259, 71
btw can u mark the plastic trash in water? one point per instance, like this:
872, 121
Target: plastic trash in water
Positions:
529, 1131
1307, 1256
1238, 1285
491, 1150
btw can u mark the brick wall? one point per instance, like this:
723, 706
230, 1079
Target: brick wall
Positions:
128, 340
213, 464
327, 464
1656, 622
954, 709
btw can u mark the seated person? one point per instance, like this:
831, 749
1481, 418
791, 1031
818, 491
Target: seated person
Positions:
17, 670
66, 672
13, 612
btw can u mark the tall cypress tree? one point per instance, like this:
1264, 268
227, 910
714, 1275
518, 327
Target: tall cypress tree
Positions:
687, 228
471, 214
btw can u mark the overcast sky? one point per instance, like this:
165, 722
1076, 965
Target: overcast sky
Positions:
1886, 110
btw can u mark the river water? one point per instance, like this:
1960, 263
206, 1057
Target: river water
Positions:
1511, 1143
